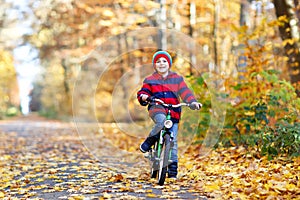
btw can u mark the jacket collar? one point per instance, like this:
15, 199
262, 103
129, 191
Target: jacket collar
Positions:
158, 76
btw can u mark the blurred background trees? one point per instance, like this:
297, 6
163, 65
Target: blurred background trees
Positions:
9, 91
253, 46
65, 31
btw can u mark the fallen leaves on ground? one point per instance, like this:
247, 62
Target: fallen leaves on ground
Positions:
51, 162
237, 173
232, 173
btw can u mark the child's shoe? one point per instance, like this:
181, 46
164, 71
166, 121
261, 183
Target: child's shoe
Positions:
146, 145
172, 170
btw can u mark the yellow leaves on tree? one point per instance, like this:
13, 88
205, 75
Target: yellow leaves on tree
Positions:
54, 96
8, 83
7, 71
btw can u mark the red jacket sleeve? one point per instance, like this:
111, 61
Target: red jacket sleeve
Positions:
146, 89
185, 93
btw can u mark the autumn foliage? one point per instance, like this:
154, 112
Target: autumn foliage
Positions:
9, 91
244, 69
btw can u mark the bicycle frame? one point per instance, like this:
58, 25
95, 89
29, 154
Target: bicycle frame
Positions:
160, 161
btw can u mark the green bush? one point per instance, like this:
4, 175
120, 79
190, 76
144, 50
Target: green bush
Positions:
12, 111
49, 113
283, 139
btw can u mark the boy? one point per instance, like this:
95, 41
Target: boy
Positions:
169, 87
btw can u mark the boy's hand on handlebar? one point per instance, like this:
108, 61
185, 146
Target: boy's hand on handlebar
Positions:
147, 98
144, 97
195, 106
150, 99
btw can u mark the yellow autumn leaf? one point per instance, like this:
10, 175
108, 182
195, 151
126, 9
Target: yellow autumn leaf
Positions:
106, 195
141, 20
279, 187
93, 191
132, 149
108, 13
78, 197
283, 18
5, 157
291, 187
288, 175
194, 174
39, 180
288, 41
188, 165
268, 185
211, 188
250, 113
57, 188
151, 195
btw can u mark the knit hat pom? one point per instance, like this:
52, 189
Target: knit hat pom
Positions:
163, 54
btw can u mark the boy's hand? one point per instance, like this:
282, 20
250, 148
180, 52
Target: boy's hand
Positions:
196, 105
144, 97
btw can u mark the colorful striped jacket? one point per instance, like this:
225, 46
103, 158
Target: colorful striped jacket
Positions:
170, 89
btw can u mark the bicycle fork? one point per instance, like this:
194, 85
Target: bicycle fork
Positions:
161, 141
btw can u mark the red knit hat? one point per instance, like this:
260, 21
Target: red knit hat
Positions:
163, 54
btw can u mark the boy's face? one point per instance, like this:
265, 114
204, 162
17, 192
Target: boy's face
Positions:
162, 66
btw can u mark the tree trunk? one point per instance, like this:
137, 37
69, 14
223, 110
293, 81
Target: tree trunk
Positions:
290, 31
244, 13
215, 34
192, 18
66, 85
162, 39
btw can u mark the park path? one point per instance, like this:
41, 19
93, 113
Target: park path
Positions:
46, 159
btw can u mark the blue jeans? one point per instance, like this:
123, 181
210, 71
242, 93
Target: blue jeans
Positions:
159, 120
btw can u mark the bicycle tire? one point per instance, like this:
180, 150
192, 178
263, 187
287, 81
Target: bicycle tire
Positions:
164, 160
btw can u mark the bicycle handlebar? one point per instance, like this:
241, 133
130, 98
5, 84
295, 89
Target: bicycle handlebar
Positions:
171, 105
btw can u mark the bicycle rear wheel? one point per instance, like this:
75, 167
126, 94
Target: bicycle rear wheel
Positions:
164, 160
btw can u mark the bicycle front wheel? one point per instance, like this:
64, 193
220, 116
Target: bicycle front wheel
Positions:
164, 160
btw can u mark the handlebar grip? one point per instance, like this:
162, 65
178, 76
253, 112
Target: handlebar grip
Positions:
194, 106
150, 99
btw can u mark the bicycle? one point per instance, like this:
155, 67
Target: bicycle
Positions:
160, 155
